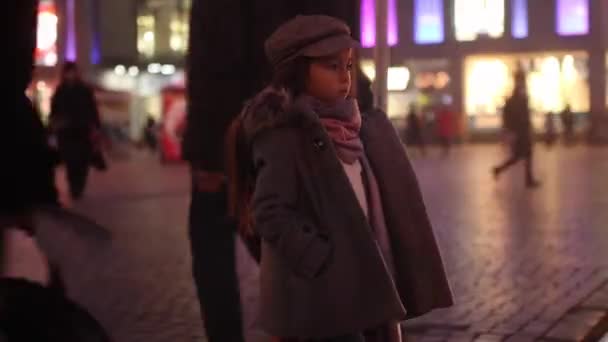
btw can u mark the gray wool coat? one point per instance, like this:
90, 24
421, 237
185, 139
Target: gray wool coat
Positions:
322, 274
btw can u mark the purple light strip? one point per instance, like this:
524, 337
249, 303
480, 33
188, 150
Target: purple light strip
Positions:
572, 17
368, 23
428, 21
95, 48
70, 41
393, 36
519, 25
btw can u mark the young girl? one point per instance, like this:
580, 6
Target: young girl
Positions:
347, 250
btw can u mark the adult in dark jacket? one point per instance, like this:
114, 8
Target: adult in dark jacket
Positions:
28, 165
518, 127
75, 120
28, 311
224, 70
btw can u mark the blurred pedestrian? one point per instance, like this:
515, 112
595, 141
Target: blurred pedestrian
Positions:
568, 123
305, 157
28, 163
75, 121
151, 134
518, 131
550, 135
28, 180
446, 128
414, 131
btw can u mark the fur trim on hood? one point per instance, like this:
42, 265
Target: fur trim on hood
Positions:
272, 107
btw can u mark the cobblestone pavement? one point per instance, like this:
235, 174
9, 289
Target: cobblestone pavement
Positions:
524, 264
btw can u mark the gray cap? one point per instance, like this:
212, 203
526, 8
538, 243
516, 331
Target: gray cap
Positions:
308, 36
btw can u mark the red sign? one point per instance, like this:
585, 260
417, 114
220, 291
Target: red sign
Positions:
173, 123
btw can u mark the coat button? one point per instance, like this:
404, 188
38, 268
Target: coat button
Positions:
319, 144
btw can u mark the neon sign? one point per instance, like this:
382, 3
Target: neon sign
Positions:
368, 23
46, 41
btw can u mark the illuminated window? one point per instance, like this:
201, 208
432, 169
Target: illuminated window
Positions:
428, 21
572, 17
474, 18
368, 23
46, 40
163, 27
178, 41
146, 40
519, 18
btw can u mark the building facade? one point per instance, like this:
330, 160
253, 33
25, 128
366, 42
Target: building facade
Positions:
130, 50
457, 52
149, 62
464, 53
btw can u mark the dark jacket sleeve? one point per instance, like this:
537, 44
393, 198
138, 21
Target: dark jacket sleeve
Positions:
56, 116
277, 218
93, 109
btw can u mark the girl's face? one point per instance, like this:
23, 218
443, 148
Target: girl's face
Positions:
329, 78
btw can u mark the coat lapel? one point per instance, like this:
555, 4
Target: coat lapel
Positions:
328, 168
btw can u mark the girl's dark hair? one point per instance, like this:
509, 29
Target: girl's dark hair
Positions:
292, 76
241, 176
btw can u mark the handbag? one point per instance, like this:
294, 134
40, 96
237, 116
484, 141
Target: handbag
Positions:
98, 160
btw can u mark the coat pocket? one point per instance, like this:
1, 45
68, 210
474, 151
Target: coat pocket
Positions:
306, 250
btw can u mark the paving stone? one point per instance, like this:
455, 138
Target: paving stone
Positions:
536, 327
598, 299
490, 338
522, 338
576, 325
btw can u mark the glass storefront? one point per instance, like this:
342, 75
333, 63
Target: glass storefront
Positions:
419, 83
555, 80
145, 93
